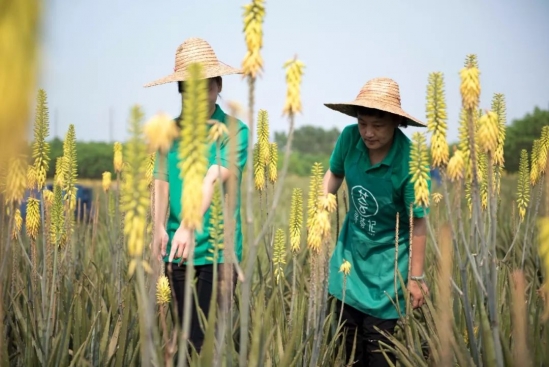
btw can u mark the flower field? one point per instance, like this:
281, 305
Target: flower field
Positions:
85, 290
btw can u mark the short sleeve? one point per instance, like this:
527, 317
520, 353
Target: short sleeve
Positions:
160, 171
409, 197
223, 156
337, 159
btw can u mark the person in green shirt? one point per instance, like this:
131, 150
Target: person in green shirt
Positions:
373, 157
171, 238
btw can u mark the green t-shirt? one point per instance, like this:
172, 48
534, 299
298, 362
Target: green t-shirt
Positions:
170, 172
349, 147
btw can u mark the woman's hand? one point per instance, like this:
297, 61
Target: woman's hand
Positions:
160, 242
417, 291
180, 244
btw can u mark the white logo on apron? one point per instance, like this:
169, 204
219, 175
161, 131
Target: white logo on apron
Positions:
366, 206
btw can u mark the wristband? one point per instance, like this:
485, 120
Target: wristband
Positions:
418, 278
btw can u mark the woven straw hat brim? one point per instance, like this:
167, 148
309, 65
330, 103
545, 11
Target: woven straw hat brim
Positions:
350, 109
211, 71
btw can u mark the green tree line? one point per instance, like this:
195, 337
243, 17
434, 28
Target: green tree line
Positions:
310, 144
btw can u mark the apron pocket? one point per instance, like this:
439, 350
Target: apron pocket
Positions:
371, 257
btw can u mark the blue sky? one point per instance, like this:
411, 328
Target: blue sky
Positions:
98, 54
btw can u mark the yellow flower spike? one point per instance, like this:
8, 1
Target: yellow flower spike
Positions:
17, 224
70, 170
263, 137
534, 168
193, 147
437, 197
107, 179
217, 130
470, 83
315, 191
16, 180
345, 268
135, 198
322, 223
279, 254
118, 160
328, 203
33, 218
216, 224
456, 166
160, 132
294, 73
499, 108
523, 187
163, 291
57, 228
259, 170
150, 168
543, 149
273, 163
436, 119
296, 219
31, 178
254, 14
419, 168
40, 148
488, 133
543, 251
482, 175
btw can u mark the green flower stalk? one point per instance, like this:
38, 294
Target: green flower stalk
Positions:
40, 148
193, 147
135, 195
436, 120
279, 255
523, 187
419, 168
296, 219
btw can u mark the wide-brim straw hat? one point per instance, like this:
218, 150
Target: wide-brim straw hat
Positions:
195, 50
379, 93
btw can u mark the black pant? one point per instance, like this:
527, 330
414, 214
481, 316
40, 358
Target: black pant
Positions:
204, 286
367, 349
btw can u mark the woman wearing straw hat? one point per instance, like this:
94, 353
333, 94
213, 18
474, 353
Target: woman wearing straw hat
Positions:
373, 156
172, 239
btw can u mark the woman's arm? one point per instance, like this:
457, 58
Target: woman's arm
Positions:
419, 240
161, 192
331, 183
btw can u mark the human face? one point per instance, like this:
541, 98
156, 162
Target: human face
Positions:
377, 132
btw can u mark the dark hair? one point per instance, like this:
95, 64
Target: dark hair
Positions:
366, 111
181, 85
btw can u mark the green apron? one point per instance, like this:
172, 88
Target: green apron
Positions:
367, 241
